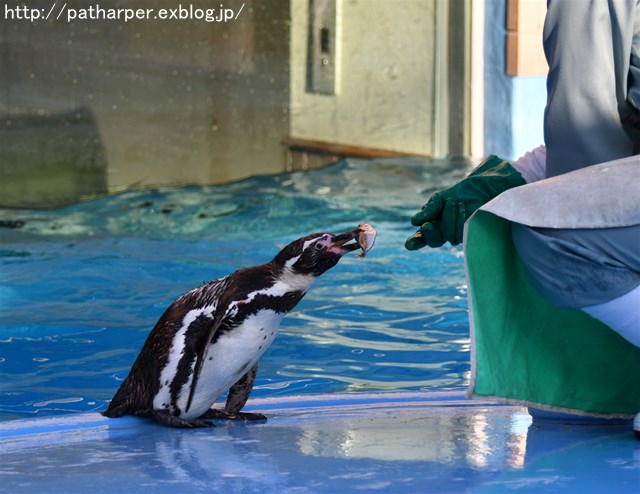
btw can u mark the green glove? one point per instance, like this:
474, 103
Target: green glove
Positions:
442, 218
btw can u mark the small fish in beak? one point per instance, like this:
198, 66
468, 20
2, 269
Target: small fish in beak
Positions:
366, 238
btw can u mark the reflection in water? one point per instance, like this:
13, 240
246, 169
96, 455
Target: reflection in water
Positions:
438, 436
409, 444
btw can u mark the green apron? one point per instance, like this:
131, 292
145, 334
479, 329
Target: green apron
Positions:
524, 349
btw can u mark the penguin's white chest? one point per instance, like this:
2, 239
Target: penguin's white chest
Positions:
229, 358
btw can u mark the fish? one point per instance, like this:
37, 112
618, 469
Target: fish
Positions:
366, 238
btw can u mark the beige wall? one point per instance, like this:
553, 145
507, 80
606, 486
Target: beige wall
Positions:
385, 89
93, 105
159, 102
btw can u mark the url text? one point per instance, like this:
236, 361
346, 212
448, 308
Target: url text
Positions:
95, 12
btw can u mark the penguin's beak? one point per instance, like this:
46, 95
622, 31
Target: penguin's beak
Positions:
363, 238
342, 243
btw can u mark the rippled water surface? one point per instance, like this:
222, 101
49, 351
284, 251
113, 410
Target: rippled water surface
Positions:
82, 286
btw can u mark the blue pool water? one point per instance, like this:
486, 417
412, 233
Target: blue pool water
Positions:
82, 286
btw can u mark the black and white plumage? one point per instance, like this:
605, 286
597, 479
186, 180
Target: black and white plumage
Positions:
210, 340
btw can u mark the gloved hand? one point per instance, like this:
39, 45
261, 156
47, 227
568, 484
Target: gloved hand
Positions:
442, 218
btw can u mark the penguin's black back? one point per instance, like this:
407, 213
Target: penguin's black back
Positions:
136, 393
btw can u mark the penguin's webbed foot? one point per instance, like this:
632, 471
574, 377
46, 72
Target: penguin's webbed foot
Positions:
222, 415
165, 418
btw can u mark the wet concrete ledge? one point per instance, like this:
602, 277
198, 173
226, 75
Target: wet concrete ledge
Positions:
387, 442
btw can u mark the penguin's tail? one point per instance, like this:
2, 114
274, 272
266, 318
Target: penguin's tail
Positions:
117, 408
125, 402
112, 412
121, 408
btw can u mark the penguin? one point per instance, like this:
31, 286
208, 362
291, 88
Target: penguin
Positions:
210, 339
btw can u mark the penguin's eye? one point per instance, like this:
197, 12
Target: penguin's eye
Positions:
319, 246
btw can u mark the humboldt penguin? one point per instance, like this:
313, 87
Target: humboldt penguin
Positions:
209, 340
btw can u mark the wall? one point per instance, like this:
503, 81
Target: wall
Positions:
95, 105
155, 101
386, 84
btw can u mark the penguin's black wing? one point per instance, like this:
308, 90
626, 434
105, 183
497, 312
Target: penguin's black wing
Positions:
224, 310
201, 353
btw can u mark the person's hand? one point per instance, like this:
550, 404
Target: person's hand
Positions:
442, 218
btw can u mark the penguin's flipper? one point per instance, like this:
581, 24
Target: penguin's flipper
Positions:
202, 346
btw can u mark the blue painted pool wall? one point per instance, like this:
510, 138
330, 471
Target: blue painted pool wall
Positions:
514, 106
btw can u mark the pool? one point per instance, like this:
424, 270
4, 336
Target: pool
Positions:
83, 286
363, 386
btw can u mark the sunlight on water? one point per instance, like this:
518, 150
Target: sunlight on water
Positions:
82, 286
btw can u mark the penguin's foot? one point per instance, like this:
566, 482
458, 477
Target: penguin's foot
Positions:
165, 418
222, 415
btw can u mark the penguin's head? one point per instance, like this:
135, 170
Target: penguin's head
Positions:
316, 253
